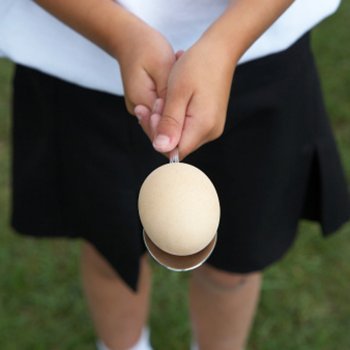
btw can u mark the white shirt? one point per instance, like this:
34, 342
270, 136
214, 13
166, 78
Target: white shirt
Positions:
32, 37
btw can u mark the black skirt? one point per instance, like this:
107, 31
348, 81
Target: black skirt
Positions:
79, 160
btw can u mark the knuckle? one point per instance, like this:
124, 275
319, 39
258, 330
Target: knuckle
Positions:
162, 91
167, 59
210, 124
211, 128
132, 95
129, 106
134, 98
217, 132
169, 120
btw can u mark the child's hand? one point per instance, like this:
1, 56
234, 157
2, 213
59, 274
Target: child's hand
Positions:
200, 81
144, 55
145, 58
196, 101
149, 119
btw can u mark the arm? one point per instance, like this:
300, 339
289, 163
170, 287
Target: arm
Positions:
102, 22
243, 23
200, 81
139, 49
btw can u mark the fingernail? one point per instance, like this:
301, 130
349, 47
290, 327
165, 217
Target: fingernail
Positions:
161, 141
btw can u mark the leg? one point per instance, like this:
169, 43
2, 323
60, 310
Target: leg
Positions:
222, 307
118, 313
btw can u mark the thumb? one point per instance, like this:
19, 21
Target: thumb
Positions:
169, 129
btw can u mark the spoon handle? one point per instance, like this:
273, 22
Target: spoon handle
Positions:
174, 156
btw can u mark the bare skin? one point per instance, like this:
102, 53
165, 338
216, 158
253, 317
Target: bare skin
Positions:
222, 305
118, 313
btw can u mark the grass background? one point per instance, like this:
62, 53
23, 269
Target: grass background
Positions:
305, 302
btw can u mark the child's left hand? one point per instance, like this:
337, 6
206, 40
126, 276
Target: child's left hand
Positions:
195, 108
197, 97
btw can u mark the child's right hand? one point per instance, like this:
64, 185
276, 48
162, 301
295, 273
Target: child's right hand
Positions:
145, 58
144, 55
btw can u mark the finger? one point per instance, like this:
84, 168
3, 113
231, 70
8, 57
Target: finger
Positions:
170, 125
192, 138
158, 106
147, 119
155, 116
154, 121
200, 127
147, 101
140, 90
143, 115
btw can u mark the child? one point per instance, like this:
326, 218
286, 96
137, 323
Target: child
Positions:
237, 72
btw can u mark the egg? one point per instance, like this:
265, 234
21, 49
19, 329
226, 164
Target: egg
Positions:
179, 208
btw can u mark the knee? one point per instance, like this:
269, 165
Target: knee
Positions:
220, 280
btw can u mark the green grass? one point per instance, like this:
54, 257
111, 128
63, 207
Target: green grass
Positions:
305, 303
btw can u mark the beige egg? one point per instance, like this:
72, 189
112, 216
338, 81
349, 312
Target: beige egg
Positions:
179, 208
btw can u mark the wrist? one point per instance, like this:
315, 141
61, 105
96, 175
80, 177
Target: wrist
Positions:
222, 43
120, 30
217, 53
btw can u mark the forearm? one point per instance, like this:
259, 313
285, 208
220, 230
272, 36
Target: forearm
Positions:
104, 22
242, 23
